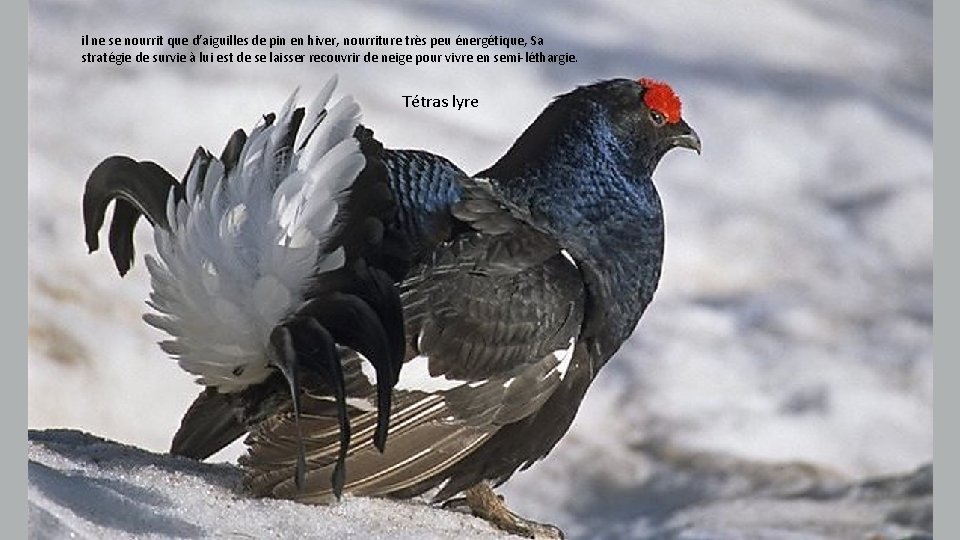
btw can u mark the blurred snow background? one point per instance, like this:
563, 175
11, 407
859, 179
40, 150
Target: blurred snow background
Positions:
794, 318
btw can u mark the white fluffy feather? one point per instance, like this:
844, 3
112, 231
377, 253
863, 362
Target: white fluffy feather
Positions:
243, 246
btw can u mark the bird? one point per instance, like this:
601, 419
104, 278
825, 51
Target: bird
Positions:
377, 321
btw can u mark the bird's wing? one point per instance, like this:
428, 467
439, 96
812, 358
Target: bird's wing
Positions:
491, 317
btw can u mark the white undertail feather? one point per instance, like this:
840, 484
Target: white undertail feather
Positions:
243, 247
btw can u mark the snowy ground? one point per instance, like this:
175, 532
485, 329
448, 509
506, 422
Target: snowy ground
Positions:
84, 486
794, 319
91, 488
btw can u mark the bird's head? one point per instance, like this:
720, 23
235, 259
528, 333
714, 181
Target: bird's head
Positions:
639, 119
645, 116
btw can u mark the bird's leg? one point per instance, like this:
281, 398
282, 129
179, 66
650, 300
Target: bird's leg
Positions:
486, 504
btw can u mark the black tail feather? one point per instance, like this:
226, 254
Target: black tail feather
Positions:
354, 324
304, 342
377, 289
282, 341
125, 216
290, 136
231, 152
327, 363
201, 160
142, 186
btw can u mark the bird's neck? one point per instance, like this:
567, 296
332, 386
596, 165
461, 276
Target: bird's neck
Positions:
574, 181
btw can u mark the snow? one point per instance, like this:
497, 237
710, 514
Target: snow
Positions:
794, 318
86, 487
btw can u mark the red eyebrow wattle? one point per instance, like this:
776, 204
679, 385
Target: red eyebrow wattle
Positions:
658, 96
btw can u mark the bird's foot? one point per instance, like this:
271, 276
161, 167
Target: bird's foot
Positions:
487, 505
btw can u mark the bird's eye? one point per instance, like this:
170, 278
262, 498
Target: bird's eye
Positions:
657, 118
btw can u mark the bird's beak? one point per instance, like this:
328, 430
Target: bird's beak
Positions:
687, 137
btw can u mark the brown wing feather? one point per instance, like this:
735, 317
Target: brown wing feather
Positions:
422, 445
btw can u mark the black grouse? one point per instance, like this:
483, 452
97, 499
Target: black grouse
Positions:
381, 322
